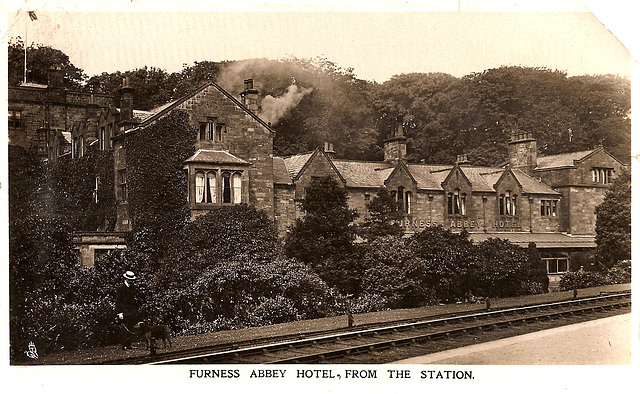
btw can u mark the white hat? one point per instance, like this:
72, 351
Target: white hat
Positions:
129, 275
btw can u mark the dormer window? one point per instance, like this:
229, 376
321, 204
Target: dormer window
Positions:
508, 203
457, 203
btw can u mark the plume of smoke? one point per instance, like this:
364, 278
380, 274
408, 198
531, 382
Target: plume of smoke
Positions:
274, 108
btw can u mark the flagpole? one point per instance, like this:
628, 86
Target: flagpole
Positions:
26, 31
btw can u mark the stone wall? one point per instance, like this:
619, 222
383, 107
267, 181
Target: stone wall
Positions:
40, 106
244, 137
285, 208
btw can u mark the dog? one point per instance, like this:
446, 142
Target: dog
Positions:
160, 331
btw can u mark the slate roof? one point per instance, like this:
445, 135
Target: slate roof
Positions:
425, 178
542, 240
531, 185
215, 156
428, 176
482, 178
361, 173
295, 163
141, 116
439, 173
562, 160
280, 172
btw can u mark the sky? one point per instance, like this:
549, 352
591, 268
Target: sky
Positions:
397, 37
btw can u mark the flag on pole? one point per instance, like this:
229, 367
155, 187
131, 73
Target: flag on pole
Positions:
32, 15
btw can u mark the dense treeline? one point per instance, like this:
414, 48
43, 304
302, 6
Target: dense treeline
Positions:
444, 115
228, 269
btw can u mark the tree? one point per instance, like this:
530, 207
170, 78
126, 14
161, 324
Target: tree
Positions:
536, 270
502, 268
325, 231
613, 223
40, 59
382, 217
446, 261
151, 85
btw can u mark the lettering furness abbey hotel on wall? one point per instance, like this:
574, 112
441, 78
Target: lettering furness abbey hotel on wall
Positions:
548, 200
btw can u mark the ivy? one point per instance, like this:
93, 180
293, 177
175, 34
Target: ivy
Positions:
157, 183
72, 188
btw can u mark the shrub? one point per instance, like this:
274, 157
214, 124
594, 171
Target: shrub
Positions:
581, 280
620, 273
502, 268
443, 262
245, 292
392, 274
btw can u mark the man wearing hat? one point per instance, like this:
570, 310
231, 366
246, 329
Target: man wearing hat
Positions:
126, 308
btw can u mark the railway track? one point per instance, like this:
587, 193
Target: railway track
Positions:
356, 346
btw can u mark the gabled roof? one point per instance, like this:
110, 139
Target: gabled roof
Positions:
168, 107
402, 167
453, 170
504, 175
563, 159
301, 162
215, 157
296, 163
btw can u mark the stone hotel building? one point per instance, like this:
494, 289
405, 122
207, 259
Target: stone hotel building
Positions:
548, 200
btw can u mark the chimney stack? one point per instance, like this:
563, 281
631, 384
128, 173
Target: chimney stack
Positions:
55, 77
523, 151
395, 148
328, 150
462, 160
126, 105
250, 96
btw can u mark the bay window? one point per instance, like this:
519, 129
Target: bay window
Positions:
207, 187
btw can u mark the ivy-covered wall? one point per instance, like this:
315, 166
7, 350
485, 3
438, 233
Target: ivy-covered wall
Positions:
156, 181
81, 191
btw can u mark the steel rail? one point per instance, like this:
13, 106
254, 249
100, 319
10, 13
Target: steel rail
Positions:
491, 319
